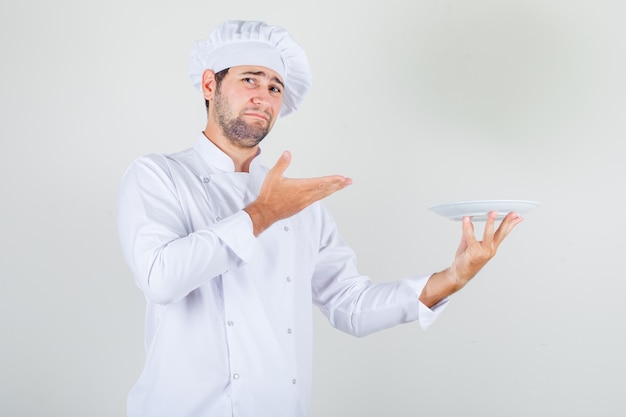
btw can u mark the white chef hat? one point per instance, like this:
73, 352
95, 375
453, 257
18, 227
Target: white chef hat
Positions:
239, 42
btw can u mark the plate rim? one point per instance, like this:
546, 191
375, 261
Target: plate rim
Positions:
467, 202
437, 208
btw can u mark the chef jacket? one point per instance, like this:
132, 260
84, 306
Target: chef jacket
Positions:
229, 315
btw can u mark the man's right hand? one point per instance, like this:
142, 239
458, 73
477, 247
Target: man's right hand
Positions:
282, 197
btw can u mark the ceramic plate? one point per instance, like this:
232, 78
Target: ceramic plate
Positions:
478, 210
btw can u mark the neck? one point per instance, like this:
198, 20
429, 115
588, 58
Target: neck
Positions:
242, 157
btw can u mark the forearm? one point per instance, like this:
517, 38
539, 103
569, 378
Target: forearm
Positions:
351, 301
439, 286
169, 253
377, 306
169, 272
259, 217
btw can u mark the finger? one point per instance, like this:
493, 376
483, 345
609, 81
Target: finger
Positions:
333, 182
511, 220
467, 236
468, 231
281, 165
329, 182
490, 226
462, 246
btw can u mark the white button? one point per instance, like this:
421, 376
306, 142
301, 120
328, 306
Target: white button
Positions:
293, 381
205, 180
218, 218
289, 331
288, 279
230, 323
236, 376
286, 228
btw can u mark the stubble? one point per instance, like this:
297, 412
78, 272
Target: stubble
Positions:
235, 129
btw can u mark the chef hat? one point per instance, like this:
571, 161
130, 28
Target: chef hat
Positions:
238, 42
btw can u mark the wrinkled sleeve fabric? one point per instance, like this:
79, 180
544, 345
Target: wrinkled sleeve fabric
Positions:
427, 316
167, 258
356, 305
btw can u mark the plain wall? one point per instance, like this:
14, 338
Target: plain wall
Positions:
420, 102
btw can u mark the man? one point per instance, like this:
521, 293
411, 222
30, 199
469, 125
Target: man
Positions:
231, 256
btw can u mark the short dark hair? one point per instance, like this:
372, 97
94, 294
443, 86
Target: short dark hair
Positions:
219, 76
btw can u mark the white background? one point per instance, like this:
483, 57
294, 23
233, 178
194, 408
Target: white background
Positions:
420, 102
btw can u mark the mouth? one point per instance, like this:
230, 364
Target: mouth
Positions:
258, 114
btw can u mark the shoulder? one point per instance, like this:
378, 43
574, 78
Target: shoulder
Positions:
157, 170
161, 163
164, 159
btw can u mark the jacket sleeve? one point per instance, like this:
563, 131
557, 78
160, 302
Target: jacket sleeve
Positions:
167, 259
356, 305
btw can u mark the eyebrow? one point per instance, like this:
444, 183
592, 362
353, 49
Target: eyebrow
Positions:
264, 74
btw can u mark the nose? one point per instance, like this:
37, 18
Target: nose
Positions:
261, 98
259, 101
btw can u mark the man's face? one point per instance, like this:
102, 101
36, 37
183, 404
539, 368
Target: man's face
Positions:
246, 104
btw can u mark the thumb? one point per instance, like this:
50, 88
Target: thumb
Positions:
281, 165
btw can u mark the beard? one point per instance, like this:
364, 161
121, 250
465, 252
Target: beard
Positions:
235, 129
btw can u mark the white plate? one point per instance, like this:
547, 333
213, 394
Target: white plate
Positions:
478, 210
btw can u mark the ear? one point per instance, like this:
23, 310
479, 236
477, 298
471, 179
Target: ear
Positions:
208, 84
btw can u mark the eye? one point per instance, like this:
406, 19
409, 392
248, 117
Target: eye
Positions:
250, 82
275, 90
